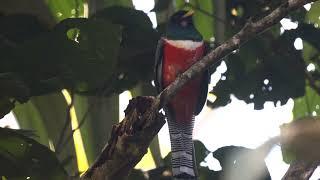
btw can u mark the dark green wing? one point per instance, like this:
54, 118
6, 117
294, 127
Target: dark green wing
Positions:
203, 92
204, 85
158, 66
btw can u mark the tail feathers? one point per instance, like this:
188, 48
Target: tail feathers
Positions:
183, 161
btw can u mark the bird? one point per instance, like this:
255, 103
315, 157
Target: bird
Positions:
181, 46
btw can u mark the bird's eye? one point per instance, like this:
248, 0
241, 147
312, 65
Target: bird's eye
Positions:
184, 23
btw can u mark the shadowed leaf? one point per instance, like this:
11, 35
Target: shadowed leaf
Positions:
21, 156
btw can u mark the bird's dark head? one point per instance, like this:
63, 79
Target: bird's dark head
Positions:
181, 27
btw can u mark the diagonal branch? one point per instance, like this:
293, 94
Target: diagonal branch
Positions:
300, 170
131, 138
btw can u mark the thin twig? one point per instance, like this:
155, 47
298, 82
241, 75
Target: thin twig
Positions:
66, 125
101, 92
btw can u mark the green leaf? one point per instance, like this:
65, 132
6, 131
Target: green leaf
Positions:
29, 117
63, 63
307, 105
138, 45
21, 156
202, 21
313, 14
102, 40
62, 9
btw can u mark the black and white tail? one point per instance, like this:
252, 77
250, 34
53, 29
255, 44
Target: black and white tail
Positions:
183, 160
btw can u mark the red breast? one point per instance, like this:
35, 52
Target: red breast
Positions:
177, 60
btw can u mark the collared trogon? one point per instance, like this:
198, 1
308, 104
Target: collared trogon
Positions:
180, 48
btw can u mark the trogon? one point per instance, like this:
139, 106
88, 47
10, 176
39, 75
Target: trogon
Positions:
179, 49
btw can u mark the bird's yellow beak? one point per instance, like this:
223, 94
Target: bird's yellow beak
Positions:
189, 13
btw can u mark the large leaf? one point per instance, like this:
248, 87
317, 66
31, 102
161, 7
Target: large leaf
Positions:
29, 117
55, 115
21, 156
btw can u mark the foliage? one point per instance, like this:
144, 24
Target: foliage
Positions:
61, 62
85, 56
22, 157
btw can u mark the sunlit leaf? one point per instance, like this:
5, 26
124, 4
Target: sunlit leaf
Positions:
62, 9
29, 117
307, 105
313, 14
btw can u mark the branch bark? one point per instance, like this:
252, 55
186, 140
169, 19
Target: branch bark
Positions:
300, 170
131, 138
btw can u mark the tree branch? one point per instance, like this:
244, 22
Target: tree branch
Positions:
300, 170
131, 138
